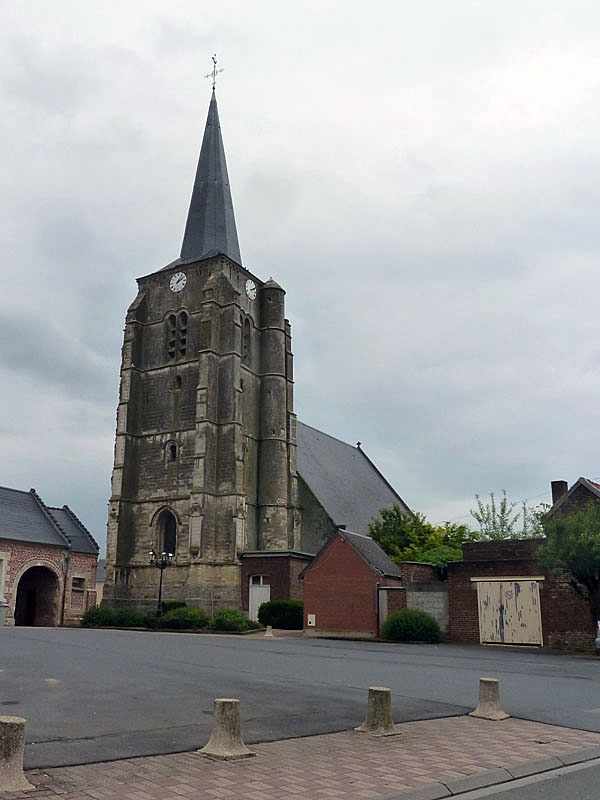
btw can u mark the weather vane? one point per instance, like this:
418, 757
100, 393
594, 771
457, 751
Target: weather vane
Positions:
214, 72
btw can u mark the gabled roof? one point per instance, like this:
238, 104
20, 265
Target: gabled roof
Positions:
22, 519
367, 548
344, 480
81, 539
372, 553
581, 483
210, 228
25, 518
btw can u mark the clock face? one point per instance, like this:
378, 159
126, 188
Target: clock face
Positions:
177, 282
251, 289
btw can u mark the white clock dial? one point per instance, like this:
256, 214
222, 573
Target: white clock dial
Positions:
177, 282
251, 289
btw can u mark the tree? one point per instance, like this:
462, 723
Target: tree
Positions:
408, 536
500, 520
399, 532
573, 546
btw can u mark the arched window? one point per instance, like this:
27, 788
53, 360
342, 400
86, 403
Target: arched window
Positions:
176, 335
167, 532
172, 452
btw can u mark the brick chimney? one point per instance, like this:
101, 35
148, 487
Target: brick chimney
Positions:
559, 488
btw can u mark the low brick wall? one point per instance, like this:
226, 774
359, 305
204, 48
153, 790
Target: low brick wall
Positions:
566, 615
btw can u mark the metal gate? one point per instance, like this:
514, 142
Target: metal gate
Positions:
509, 611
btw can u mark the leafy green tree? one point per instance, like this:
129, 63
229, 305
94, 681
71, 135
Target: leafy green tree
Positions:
573, 546
407, 536
504, 519
399, 532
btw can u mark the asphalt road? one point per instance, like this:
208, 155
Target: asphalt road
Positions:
94, 695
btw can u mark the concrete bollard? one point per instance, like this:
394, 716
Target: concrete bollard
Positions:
489, 700
226, 736
12, 745
379, 713
269, 632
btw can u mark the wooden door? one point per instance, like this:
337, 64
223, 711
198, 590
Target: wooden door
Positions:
259, 592
509, 612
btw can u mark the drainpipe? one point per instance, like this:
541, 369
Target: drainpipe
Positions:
64, 594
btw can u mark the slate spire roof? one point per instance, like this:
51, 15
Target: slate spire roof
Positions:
210, 229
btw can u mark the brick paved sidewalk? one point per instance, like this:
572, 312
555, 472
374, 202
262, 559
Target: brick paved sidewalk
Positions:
339, 765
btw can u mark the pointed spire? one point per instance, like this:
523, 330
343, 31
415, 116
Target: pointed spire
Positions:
210, 228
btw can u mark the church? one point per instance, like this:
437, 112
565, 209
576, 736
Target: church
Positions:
211, 464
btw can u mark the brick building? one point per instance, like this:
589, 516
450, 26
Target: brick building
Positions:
352, 586
500, 594
210, 462
341, 587
47, 561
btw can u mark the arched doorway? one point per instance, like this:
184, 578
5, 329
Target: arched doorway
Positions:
37, 598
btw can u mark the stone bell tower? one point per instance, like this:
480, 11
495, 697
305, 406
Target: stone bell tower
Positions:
205, 450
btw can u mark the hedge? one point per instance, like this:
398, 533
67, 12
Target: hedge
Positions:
284, 614
411, 625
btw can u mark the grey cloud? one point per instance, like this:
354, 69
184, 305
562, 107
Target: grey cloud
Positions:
54, 354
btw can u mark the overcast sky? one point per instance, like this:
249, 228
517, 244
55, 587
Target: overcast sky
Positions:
422, 179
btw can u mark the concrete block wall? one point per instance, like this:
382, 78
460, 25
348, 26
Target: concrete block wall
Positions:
430, 597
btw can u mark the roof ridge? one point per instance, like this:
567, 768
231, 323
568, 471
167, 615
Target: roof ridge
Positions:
76, 519
49, 516
383, 478
10, 489
329, 436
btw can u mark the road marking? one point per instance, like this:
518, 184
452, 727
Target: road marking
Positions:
51, 681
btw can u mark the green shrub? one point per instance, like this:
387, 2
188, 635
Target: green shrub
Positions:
410, 625
229, 619
107, 617
97, 616
169, 605
183, 618
284, 614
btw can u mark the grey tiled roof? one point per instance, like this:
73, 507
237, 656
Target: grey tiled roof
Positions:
372, 554
22, 519
343, 479
25, 518
79, 536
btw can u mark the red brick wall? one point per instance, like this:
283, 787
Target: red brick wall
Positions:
22, 556
296, 585
396, 600
413, 572
566, 616
341, 590
83, 566
282, 570
504, 550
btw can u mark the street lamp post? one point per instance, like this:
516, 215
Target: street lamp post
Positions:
161, 562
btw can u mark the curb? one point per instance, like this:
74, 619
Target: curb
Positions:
439, 790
